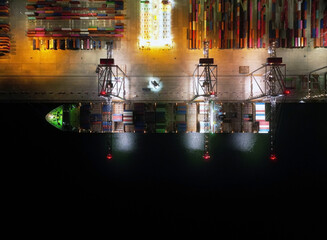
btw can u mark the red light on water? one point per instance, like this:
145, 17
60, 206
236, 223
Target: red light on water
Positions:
109, 156
273, 157
206, 156
287, 92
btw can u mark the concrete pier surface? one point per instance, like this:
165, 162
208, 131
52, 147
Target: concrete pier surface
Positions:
63, 76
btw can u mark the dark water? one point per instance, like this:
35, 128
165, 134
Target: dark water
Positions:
161, 180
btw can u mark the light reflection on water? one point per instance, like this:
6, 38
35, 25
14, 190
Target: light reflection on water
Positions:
193, 141
124, 142
242, 141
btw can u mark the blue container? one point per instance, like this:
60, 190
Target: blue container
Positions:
78, 43
106, 126
34, 44
305, 5
106, 108
95, 117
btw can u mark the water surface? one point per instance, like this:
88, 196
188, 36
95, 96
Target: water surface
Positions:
162, 177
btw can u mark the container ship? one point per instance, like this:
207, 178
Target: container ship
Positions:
202, 117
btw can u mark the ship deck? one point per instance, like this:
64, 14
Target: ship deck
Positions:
138, 117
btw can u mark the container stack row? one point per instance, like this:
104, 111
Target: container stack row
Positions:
181, 124
228, 24
76, 20
106, 118
4, 28
257, 24
92, 31
318, 24
156, 118
139, 120
260, 117
94, 117
203, 117
67, 44
288, 24
117, 117
77, 10
161, 121
239, 118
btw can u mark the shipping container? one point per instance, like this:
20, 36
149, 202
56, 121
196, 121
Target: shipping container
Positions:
55, 44
128, 117
62, 43
117, 117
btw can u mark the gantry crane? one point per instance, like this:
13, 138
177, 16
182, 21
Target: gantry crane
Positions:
205, 86
205, 76
111, 84
111, 79
274, 89
315, 91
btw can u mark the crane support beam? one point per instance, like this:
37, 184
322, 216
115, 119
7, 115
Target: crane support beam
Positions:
111, 79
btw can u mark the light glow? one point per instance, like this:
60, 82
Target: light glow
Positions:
155, 84
206, 157
287, 92
273, 157
243, 142
109, 156
124, 142
193, 141
155, 24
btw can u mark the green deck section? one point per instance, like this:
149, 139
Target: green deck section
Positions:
72, 116
161, 118
160, 130
55, 117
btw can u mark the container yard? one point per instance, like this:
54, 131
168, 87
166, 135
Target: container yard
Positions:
4, 28
57, 51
